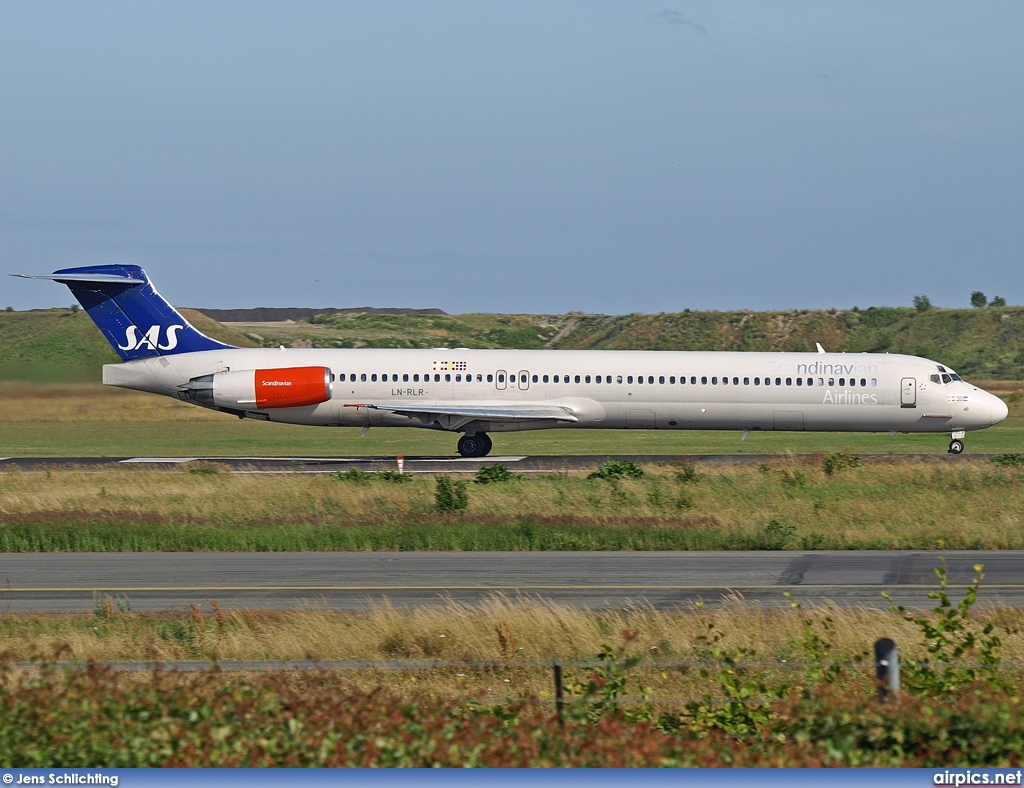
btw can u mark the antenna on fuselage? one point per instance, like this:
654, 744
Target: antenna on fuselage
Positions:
820, 348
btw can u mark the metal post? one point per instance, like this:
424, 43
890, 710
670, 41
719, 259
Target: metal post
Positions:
887, 668
559, 698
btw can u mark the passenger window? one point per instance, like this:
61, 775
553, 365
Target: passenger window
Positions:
437, 378
714, 381
362, 377
746, 381
693, 381
874, 381
556, 378
672, 379
704, 380
618, 379
629, 378
863, 382
535, 378
587, 379
577, 378
810, 381
682, 380
767, 381
447, 378
799, 381
725, 381
661, 379
821, 381
789, 381
778, 381
842, 382
757, 381
501, 378
545, 378
480, 378
650, 379
490, 378
640, 379
831, 382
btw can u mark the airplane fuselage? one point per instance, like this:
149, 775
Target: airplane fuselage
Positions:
857, 392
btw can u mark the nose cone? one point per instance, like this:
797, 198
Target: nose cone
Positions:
998, 410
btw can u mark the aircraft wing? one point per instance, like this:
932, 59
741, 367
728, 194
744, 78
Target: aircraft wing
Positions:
454, 415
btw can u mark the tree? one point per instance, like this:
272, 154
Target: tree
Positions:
922, 303
978, 299
997, 301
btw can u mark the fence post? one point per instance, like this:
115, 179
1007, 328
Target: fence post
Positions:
559, 698
887, 668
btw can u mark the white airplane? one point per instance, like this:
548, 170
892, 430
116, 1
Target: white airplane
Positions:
476, 392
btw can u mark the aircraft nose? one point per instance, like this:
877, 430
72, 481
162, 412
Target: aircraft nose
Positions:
999, 411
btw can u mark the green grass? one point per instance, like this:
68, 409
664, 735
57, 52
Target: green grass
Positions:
233, 437
775, 505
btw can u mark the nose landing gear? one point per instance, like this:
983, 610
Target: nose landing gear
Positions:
956, 446
475, 445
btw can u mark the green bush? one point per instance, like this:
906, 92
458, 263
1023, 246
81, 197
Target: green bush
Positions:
616, 469
491, 474
840, 461
450, 495
1009, 460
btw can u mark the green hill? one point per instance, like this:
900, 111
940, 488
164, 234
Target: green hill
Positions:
978, 343
61, 345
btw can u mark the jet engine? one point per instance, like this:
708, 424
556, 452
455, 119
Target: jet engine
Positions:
261, 389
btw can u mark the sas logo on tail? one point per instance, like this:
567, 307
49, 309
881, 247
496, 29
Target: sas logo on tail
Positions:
150, 339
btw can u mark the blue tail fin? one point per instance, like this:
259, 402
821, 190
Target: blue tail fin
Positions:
132, 315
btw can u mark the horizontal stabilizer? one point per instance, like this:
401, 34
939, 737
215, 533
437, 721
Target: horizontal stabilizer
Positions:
107, 279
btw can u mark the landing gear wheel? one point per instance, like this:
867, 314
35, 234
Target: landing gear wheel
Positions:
956, 447
476, 445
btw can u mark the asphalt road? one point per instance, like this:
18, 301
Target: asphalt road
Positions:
354, 581
521, 464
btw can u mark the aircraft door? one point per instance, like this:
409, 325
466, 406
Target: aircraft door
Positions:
524, 379
908, 393
499, 379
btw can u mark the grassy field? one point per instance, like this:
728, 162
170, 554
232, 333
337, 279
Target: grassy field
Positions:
779, 504
53, 420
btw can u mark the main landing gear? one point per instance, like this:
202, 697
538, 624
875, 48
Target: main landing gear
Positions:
956, 446
475, 445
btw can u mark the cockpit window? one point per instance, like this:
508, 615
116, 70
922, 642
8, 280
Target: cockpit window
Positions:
947, 379
956, 377
935, 378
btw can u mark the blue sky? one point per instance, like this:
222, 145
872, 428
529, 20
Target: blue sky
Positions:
517, 157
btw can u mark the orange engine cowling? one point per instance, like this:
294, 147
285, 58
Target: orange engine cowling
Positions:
292, 387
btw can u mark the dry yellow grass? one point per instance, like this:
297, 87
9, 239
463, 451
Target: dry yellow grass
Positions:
501, 630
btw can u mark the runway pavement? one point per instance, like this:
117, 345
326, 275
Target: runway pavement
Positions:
355, 581
521, 464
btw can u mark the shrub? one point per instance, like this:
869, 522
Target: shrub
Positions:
394, 477
1009, 460
354, 475
840, 461
616, 469
777, 535
450, 495
491, 474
